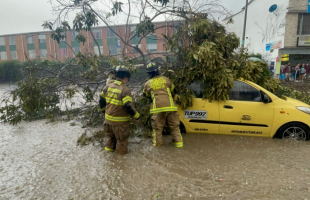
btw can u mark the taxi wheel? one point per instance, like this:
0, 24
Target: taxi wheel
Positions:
294, 131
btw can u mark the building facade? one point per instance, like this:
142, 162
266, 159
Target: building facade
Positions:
297, 33
39, 45
265, 27
277, 29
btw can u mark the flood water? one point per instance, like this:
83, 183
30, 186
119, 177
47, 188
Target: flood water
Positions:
40, 160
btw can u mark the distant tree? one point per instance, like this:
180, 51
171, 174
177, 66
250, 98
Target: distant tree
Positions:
90, 13
49, 87
256, 55
10, 71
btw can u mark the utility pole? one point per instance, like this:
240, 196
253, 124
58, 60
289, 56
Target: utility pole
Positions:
244, 25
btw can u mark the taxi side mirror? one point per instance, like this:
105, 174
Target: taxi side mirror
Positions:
265, 98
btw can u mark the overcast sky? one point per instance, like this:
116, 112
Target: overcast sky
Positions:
22, 16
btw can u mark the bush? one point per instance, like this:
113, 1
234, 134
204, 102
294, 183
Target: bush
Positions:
10, 71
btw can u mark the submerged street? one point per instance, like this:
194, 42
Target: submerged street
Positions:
41, 160
239, 68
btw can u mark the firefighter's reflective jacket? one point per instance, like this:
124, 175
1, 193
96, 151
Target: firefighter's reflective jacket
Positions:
110, 79
160, 89
116, 102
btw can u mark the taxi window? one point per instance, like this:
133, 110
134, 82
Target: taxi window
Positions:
196, 87
244, 92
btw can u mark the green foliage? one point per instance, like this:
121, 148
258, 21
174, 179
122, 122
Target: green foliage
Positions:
84, 21
163, 2
10, 71
143, 107
88, 60
11, 113
255, 71
33, 98
117, 8
97, 136
206, 52
81, 2
295, 94
256, 55
80, 38
89, 95
47, 25
145, 27
59, 33
47, 84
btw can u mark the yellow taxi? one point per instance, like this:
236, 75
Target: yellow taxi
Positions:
251, 111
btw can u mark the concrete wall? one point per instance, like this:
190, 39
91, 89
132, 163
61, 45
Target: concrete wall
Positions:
298, 5
262, 26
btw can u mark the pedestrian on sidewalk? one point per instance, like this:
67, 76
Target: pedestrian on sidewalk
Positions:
287, 71
302, 71
297, 72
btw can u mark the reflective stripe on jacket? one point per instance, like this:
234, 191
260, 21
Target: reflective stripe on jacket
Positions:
116, 95
159, 88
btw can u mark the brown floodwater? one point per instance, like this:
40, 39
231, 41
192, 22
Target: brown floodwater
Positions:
40, 160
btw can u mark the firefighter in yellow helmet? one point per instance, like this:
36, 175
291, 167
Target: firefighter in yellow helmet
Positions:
116, 103
111, 77
163, 108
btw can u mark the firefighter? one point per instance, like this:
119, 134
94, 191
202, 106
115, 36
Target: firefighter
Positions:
163, 108
116, 104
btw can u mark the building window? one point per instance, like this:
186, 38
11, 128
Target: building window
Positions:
2, 41
64, 39
177, 26
97, 33
133, 30
32, 54
244, 92
96, 50
133, 50
30, 39
63, 52
110, 33
303, 24
151, 47
76, 50
43, 53
14, 55
12, 40
42, 38
112, 49
3, 55
73, 35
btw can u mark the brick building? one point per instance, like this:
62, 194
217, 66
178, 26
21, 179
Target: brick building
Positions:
297, 33
36, 45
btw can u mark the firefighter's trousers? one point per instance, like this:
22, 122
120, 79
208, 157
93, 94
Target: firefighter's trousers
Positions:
159, 120
117, 138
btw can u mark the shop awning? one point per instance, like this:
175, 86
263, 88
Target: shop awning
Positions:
296, 50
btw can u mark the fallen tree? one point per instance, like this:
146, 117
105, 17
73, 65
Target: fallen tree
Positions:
200, 48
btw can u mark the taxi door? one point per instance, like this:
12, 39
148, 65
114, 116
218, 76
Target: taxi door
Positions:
203, 116
246, 113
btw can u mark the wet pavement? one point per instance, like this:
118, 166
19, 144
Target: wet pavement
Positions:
40, 160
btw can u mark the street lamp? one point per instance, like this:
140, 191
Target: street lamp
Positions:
244, 25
